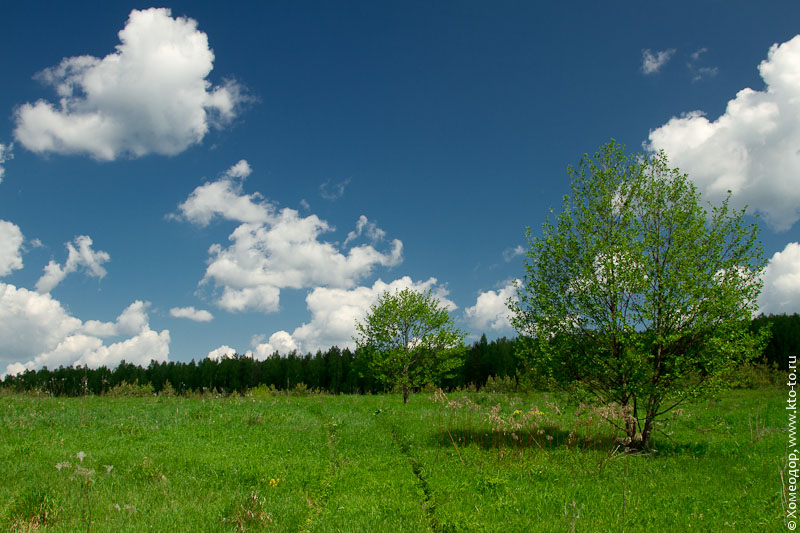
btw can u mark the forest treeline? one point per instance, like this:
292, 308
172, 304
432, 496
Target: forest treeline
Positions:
784, 341
334, 371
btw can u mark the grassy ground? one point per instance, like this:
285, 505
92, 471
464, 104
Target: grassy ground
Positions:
366, 463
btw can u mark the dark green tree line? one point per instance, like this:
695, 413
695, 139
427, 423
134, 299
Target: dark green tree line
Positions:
334, 371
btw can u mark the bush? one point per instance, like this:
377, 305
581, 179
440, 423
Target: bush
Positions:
500, 384
168, 390
301, 389
263, 391
756, 376
131, 390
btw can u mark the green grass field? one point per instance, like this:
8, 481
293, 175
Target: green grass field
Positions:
370, 463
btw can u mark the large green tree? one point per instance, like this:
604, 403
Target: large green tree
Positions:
409, 339
636, 295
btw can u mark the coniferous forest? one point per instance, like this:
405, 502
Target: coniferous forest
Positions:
335, 371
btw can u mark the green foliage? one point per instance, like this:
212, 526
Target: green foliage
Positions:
334, 371
131, 390
263, 392
637, 295
754, 375
784, 341
168, 390
409, 339
500, 384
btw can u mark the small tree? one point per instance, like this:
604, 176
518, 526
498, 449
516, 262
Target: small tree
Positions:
637, 296
409, 339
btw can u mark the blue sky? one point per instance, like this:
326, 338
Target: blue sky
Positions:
187, 180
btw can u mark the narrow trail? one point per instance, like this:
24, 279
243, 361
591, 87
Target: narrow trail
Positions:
428, 503
317, 506
367, 482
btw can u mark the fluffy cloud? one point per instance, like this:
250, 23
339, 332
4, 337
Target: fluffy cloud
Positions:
653, 61
752, 149
81, 255
781, 291
224, 199
198, 315
131, 321
5, 155
275, 249
280, 341
10, 247
286, 253
36, 331
263, 298
239, 170
222, 352
148, 96
334, 312
490, 311
31, 323
82, 350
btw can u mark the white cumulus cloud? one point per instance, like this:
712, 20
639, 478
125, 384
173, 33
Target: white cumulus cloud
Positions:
131, 321
334, 312
150, 95
490, 311
286, 253
10, 247
753, 149
224, 198
280, 341
274, 249
81, 255
222, 352
36, 331
264, 298
239, 170
781, 291
198, 315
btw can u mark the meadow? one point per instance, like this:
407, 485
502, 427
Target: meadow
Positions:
461, 462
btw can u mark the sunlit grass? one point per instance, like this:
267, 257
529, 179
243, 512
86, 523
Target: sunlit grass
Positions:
357, 463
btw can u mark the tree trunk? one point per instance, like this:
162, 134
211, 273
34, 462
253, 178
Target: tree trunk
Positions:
631, 427
648, 429
405, 394
640, 441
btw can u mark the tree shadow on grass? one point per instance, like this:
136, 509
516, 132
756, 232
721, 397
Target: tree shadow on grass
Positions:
551, 438
666, 447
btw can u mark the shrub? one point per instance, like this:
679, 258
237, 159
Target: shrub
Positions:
131, 390
756, 376
500, 384
263, 391
168, 390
